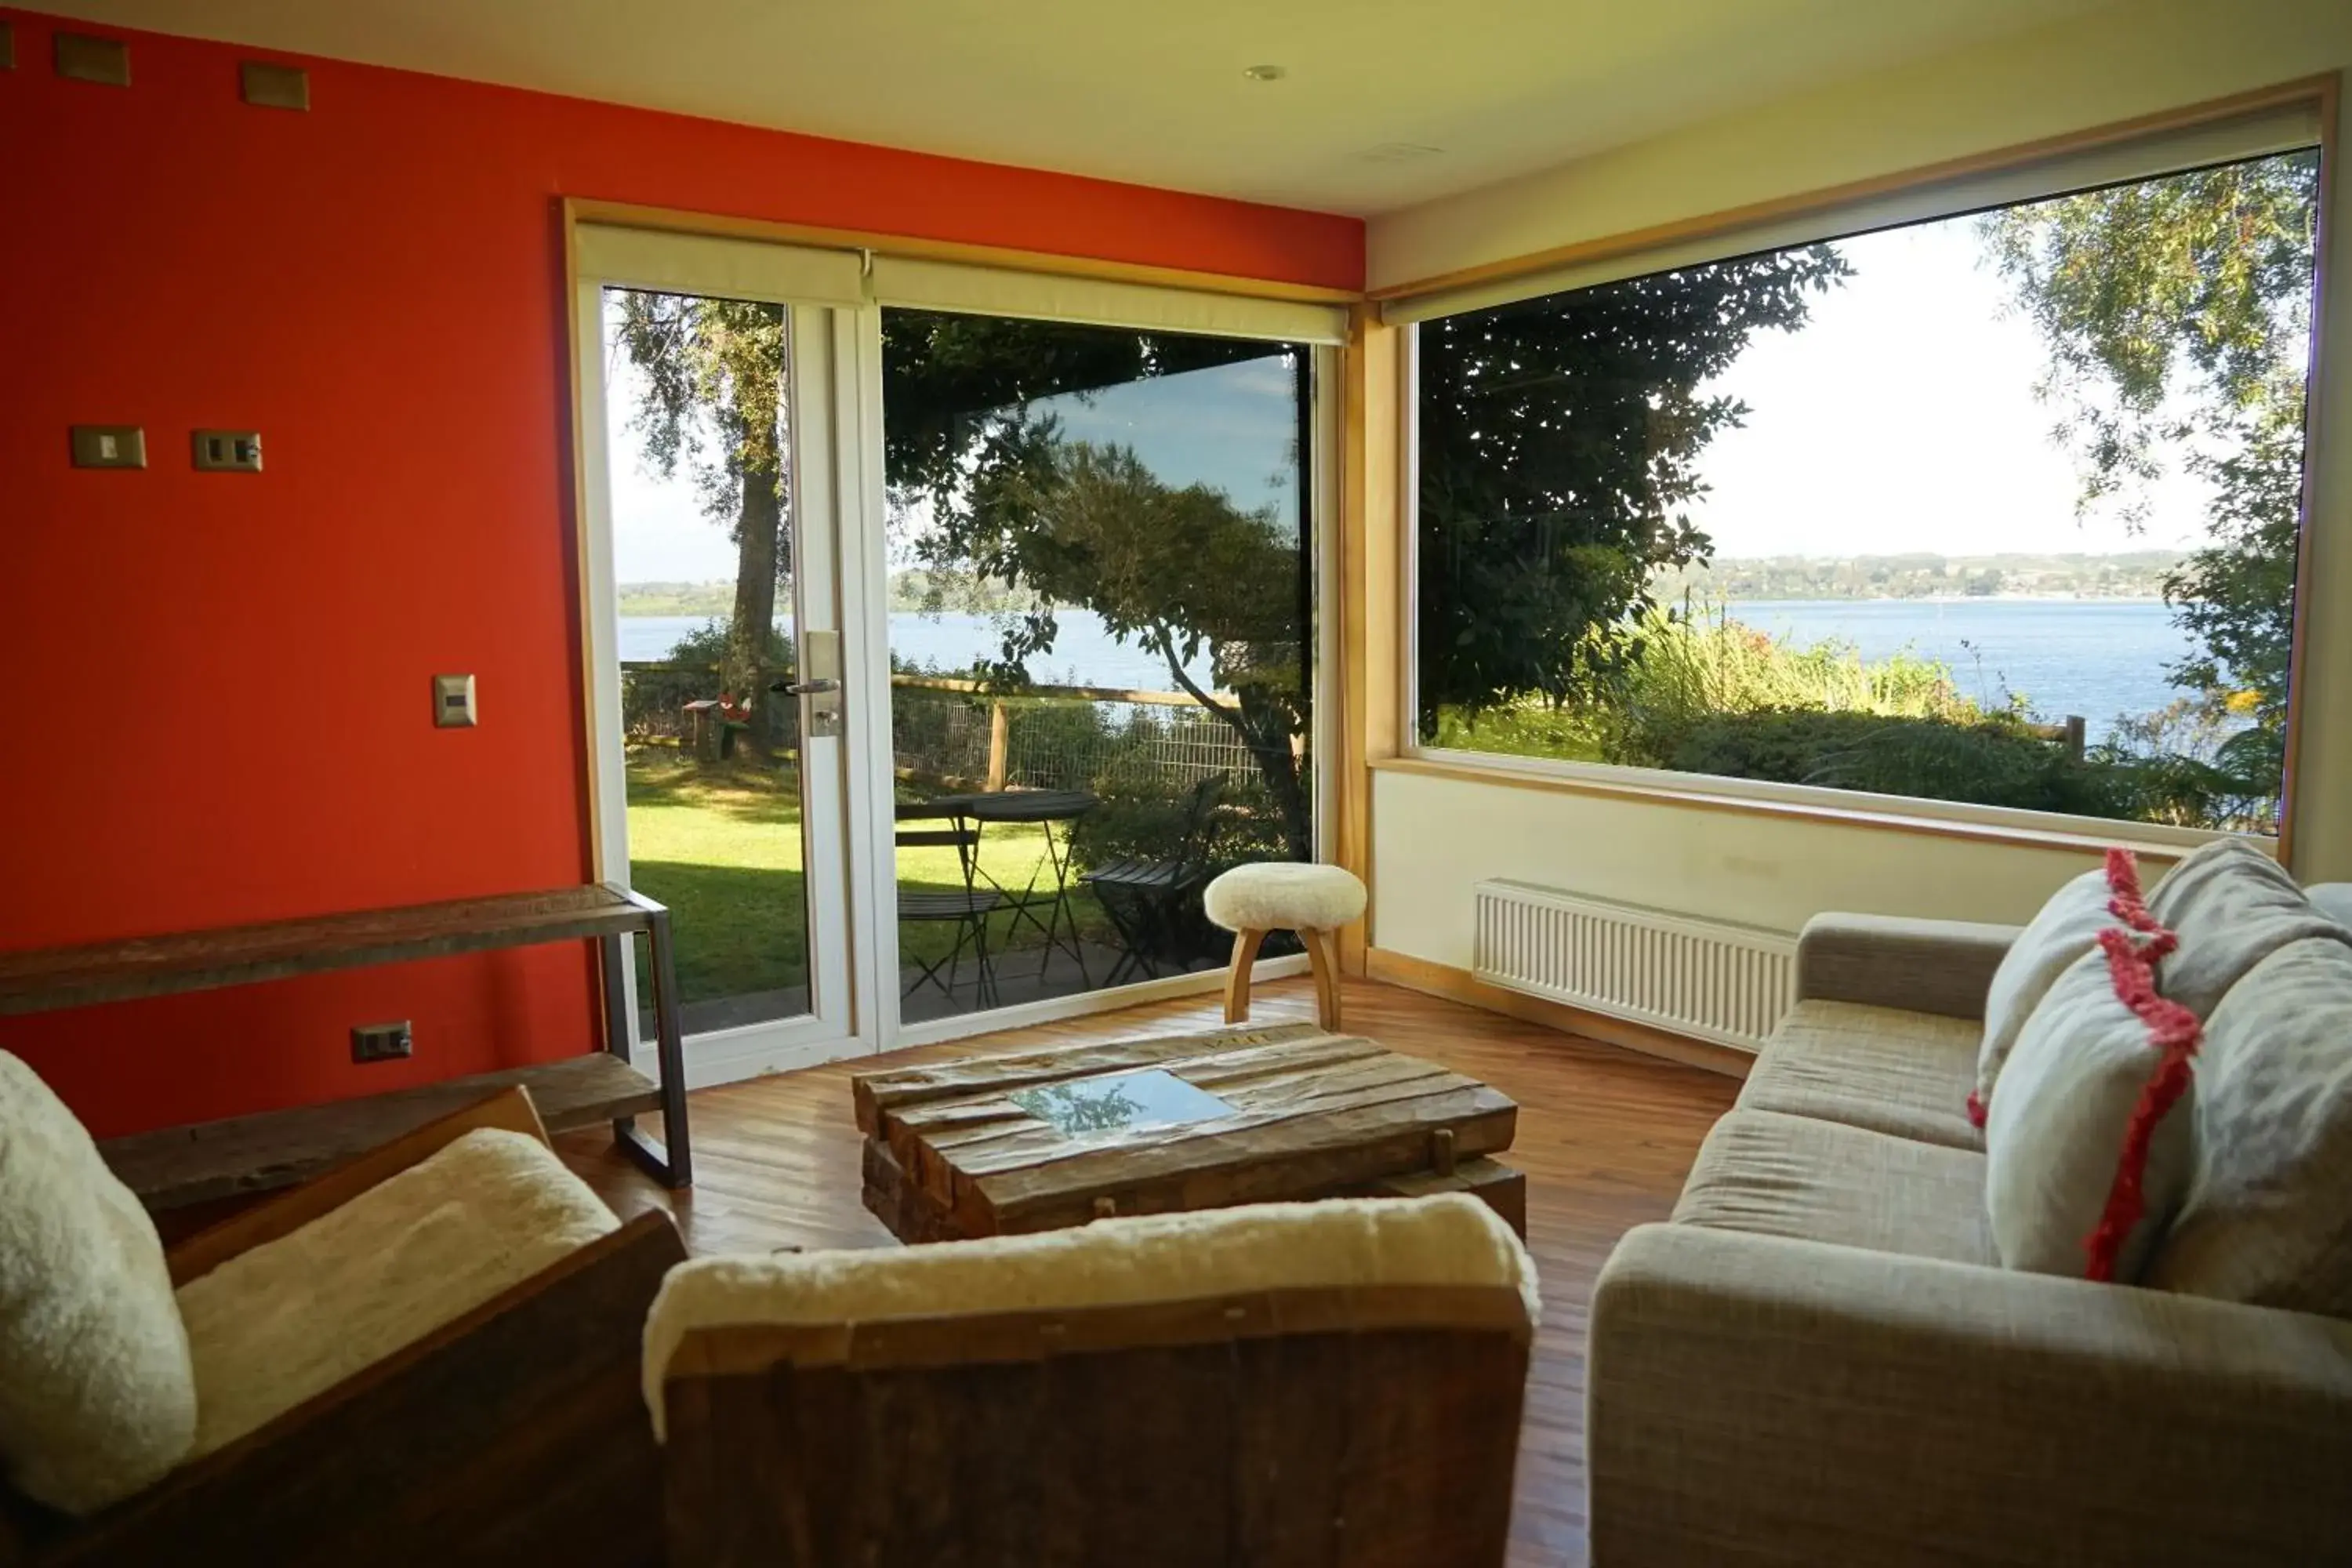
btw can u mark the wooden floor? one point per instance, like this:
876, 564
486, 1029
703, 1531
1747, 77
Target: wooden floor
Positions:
1604, 1135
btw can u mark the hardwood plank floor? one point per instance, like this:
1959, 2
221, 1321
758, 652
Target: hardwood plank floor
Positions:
1605, 1136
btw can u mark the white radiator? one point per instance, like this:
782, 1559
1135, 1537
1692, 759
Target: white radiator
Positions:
1711, 980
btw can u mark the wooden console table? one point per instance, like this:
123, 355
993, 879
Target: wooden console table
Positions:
177, 1166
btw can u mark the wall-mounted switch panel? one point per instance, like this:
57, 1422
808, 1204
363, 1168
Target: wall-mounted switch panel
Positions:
453, 701
110, 446
84, 59
7, 47
382, 1042
266, 86
228, 451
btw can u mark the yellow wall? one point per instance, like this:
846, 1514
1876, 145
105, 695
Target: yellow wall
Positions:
1434, 836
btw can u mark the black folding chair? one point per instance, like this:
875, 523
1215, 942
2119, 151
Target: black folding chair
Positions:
968, 907
1143, 897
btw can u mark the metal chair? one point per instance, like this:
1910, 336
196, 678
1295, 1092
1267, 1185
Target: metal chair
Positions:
1143, 897
968, 907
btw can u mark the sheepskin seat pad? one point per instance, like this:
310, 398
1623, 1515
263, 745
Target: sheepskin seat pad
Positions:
290, 1319
98, 1399
1449, 1240
1280, 895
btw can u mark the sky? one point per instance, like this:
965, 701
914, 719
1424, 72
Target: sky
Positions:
1232, 427
1902, 417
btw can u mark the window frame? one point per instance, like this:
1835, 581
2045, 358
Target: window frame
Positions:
2104, 158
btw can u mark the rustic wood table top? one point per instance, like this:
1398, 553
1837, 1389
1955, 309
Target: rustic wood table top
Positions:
1034, 1142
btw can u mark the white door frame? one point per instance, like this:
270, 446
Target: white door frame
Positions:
829, 441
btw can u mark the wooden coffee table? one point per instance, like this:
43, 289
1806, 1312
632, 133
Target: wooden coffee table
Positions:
998, 1145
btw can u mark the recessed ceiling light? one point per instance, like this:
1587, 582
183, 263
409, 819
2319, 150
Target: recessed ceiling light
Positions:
1265, 73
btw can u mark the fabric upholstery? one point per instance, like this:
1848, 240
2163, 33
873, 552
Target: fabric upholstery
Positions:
98, 1398
1448, 1239
2066, 927
1769, 1175
2232, 906
1922, 966
2333, 898
1757, 1400
1284, 895
2055, 1131
2268, 1217
290, 1319
1907, 1074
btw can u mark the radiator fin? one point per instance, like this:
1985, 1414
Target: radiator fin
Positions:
1712, 980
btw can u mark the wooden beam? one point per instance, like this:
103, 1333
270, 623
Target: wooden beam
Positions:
243, 1155
628, 215
1827, 199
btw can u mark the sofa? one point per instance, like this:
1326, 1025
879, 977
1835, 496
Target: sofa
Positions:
1820, 1358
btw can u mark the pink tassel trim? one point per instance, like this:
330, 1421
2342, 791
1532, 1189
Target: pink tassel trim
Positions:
2175, 1032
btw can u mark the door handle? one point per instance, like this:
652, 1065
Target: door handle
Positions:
805, 687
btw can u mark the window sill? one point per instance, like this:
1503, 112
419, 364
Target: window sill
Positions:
1942, 819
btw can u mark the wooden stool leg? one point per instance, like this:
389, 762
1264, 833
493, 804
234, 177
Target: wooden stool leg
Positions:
1323, 955
1238, 978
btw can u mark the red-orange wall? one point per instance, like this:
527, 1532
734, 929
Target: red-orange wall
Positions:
216, 686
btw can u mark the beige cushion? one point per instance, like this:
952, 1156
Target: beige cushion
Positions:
2268, 1218
2232, 906
1450, 1239
1878, 1067
2067, 927
292, 1318
1769, 1175
2055, 1131
1283, 895
97, 1396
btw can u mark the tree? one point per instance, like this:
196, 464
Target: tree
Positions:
1558, 442
1072, 524
718, 366
2177, 313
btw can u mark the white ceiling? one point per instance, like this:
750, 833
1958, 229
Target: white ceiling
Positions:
1150, 90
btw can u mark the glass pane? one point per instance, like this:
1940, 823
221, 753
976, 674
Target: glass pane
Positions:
2002, 507
702, 541
1102, 634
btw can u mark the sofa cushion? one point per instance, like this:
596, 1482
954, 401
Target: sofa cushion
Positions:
1875, 1067
98, 1399
2232, 906
2268, 1218
1771, 1174
290, 1319
2060, 1118
2066, 927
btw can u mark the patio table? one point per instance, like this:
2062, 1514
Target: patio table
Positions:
1042, 808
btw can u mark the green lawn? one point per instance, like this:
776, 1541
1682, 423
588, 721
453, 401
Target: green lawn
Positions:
721, 845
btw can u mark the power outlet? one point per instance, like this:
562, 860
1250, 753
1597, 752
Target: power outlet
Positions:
381, 1042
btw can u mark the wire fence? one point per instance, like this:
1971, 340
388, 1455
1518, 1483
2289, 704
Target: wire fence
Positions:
949, 734
945, 733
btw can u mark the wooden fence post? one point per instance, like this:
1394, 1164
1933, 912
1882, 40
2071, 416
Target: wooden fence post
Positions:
2075, 737
1000, 728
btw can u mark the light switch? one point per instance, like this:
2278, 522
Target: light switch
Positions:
453, 701
266, 86
110, 446
228, 451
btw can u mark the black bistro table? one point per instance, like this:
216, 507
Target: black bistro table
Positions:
1048, 887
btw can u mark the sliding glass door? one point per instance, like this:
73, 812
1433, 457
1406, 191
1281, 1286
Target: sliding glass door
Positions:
713, 446
946, 629
1101, 610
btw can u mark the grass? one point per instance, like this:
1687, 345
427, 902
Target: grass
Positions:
721, 845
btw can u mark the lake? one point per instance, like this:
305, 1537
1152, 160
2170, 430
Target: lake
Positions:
2097, 657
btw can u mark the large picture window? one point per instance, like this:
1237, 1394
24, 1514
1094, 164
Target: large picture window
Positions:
1999, 508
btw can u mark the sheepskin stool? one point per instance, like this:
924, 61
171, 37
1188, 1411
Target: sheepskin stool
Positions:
1278, 895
